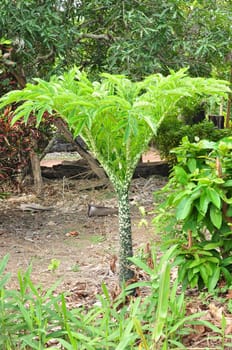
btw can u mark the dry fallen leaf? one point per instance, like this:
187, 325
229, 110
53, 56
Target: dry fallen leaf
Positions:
113, 263
115, 291
228, 326
200, 329
216, 312
229, 294
72, 234
148, 253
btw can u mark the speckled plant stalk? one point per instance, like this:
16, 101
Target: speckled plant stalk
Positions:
125, 239
124, 217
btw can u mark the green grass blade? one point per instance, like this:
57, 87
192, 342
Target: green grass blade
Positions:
163, 301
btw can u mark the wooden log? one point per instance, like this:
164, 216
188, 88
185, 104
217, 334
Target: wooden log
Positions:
36, 169
94, 210
81, 170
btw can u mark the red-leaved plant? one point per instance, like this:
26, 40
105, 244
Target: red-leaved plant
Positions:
16, 143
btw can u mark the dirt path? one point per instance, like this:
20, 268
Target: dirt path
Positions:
83, 247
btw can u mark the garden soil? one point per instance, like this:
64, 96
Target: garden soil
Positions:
62, 242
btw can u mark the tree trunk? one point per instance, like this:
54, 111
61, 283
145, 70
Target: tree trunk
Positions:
94, 165
125, 236
19, 76
36, 170
229, 101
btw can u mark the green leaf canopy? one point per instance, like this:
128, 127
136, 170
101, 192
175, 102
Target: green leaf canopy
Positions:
115, 116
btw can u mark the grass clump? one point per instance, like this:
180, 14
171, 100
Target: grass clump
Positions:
31, 318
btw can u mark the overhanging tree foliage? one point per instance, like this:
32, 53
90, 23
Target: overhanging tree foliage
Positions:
116, 117
142, 37
41, 35
132, 37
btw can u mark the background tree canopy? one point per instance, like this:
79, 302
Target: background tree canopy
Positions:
133, 37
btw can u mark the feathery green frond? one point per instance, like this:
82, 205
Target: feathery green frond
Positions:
116, 117
128, 112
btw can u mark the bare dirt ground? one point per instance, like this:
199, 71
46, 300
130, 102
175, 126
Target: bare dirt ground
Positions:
84, 247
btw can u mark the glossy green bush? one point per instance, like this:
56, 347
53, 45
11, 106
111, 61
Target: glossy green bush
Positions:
172, 130
199, 205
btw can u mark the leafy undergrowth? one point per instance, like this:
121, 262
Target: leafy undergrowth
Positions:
149, 314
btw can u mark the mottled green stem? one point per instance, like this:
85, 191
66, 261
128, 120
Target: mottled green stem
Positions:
125, 237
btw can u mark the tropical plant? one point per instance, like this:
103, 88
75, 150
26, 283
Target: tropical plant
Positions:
172, 131
200, 192
170, 307
16, 144
117, 119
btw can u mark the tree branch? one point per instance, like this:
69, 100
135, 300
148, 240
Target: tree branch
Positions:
94, 165
107, 37
45, 57
19, 76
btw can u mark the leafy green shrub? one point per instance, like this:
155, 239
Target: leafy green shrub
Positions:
193, 112
172, 130
163, 313
201, 265
200, 208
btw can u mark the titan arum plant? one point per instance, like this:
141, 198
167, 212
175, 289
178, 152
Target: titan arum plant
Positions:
117, 118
